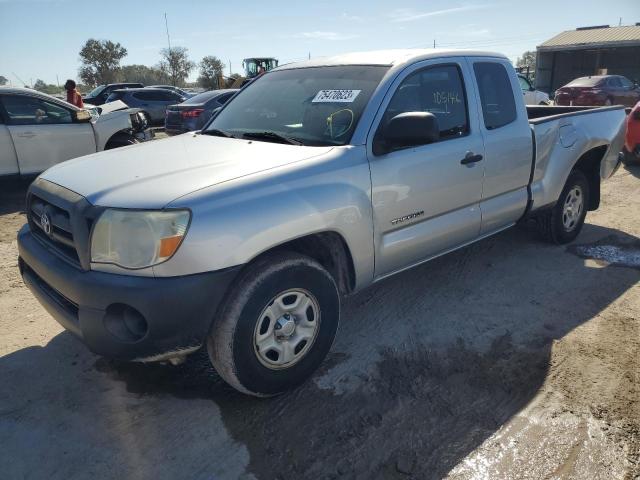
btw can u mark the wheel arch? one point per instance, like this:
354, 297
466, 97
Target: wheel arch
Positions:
589, 164
329, 249
119, 135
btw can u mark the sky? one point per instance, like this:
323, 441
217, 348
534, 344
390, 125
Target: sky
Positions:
42, 38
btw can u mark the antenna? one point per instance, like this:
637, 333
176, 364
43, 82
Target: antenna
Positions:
19, 79
166, 24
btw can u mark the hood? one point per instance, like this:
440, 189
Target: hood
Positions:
112, 107
152, 174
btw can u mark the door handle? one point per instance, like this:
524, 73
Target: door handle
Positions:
27, 134
470, 157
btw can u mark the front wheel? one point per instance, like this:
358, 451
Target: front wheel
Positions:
276, 326
562, 223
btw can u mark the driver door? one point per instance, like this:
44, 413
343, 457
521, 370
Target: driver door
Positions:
426, 198
44, 133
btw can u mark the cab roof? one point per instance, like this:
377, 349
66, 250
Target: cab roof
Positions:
388, 57
35, 93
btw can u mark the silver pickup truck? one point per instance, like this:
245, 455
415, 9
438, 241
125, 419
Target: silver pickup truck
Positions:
313, 182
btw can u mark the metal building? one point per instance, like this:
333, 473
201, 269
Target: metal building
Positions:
588, 51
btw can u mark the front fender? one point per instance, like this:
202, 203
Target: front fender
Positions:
109, 124
234, 223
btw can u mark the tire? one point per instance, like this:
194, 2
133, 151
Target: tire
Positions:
563, 223
121, 140
240, 340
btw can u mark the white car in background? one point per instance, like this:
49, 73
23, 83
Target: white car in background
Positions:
531, 95
38, 131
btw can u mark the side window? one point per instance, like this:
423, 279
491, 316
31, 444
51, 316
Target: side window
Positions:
222, 99
626, 83
438, 90
145, 96
496, 95
24, 110
524, 84
614, 82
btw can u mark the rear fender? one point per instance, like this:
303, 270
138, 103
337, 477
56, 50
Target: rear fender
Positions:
562, 143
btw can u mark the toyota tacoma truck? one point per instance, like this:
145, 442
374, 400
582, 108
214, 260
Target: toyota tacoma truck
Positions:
315, 181
38, 130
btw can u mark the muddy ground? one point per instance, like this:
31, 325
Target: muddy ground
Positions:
509, 359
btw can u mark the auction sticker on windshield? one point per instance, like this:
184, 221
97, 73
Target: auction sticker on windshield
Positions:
336, 96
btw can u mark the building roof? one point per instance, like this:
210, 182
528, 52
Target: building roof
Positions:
387, 57
591, 37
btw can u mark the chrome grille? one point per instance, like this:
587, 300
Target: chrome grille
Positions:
60, 235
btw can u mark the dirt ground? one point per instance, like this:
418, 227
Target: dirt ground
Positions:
509, 359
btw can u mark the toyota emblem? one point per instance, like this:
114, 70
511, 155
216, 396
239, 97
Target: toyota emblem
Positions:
45, 222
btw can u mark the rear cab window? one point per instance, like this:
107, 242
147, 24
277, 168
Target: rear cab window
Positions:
496, 95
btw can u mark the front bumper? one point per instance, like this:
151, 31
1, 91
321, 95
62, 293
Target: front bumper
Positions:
120, 316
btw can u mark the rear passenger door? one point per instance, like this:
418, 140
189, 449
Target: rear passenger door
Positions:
425, 201
508, 144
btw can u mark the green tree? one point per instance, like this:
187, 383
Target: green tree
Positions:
43, 87
142, 74
100, 61
211, 69
175, 64
3, 80
528, 61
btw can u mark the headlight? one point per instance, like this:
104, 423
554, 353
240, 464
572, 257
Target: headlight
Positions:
138, 239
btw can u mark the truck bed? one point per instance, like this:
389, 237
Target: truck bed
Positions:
562, 135
545, 113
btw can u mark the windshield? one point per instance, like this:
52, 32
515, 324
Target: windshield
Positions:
316, 106
96, 91
585, 82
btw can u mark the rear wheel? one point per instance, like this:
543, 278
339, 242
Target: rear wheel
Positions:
276, 326
562, 223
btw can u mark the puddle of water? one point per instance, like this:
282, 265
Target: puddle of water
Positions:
610, 251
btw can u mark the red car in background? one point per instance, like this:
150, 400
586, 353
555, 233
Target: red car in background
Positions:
632, 137
599, 90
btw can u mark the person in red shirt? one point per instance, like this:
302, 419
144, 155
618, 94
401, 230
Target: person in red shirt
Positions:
73, 96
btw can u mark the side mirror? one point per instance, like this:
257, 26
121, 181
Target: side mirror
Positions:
82, 116
405, 130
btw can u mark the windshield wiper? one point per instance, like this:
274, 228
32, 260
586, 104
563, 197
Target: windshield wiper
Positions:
217, 132
272, 136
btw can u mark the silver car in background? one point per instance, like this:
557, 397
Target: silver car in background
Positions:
152, 101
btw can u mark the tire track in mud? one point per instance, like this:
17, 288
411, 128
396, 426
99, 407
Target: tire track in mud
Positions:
420, 413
